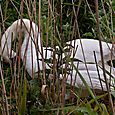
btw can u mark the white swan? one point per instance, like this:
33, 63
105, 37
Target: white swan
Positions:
12, 33
83, 50
30, 47
93, 75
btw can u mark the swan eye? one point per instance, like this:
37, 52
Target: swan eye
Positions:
111, 63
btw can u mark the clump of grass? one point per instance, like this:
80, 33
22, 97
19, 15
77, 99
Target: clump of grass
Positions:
58, 22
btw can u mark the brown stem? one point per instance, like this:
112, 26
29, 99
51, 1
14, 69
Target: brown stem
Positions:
101, 53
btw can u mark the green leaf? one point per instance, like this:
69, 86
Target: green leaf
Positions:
104, 110
23, 99
113, 93
87, 110
88, 34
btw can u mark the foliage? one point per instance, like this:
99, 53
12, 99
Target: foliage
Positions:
58, 24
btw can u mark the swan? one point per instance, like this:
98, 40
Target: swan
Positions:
88, 65
83, 49
31, 45
93, 75
19, 26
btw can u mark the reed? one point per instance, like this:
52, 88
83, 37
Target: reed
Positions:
47, 90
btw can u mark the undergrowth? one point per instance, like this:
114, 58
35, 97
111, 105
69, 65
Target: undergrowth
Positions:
59, 21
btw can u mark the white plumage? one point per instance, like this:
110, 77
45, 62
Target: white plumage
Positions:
93, 78
31, 58
88, 46
12, 33
87, 67
30, 47
83, 50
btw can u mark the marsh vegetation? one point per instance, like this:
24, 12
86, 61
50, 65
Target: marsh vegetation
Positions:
47, 92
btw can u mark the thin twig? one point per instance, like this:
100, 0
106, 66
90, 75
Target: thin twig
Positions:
101, 53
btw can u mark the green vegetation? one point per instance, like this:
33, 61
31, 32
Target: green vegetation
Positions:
60, 21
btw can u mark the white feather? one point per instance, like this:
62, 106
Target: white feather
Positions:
30, 46
85, 49
92, 74
88, 69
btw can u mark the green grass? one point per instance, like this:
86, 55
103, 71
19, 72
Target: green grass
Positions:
58, 23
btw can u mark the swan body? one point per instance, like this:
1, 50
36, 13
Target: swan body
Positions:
93, 75
83, 50
31, 54
31, 59
97, 83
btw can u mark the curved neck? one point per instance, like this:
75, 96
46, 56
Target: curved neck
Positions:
19, 27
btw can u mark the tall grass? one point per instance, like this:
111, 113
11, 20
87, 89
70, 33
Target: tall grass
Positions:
58, 22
